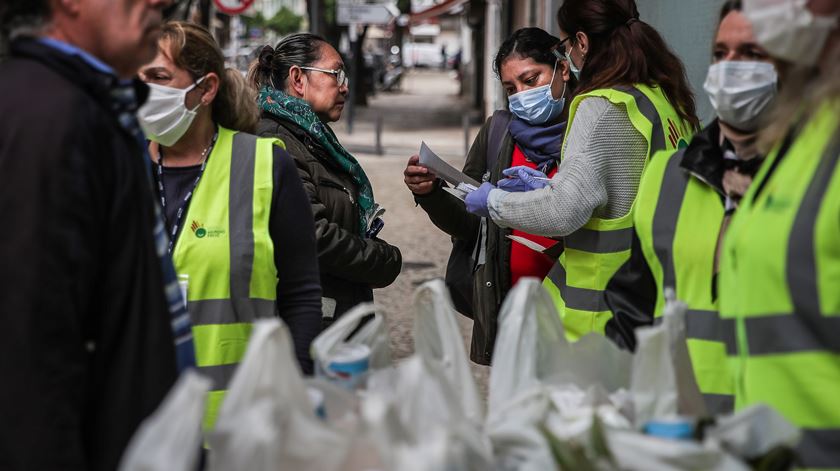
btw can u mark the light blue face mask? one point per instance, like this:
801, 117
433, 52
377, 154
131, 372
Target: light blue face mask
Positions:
537, 105
572, 67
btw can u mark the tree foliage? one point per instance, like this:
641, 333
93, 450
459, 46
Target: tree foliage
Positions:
283, 22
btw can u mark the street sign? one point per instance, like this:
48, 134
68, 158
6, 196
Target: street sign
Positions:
366, 14
233, 7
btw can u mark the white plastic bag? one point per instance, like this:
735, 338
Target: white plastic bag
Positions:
663, 383
437, 339
170, 439
267, 422
425, 414
754, 431
529, 339
374, 334
414, 416
638, 452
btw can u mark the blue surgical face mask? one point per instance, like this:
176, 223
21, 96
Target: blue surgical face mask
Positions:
572, 67
537, 105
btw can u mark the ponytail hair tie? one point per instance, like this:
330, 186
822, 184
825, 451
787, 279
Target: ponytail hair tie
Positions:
265, 57
631, 21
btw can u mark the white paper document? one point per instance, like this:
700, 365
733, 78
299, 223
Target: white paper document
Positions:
528, 243
443, 170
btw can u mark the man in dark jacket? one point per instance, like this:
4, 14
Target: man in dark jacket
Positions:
86, 345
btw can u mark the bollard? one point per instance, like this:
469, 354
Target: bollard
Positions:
465, 121
379, 150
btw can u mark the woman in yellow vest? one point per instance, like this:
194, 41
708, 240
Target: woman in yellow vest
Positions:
685, 201
633, 100
238, 217
780, 264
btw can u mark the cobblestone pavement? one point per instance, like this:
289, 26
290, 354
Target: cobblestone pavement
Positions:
428, 109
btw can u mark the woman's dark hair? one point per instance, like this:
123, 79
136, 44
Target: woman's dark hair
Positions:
527, 42
272, 66
728, 7
624, 50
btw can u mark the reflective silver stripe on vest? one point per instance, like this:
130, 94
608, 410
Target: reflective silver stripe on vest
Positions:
582, 299
648, 110
240, 308
226, 311
717, 404
219, 374
615, 241
593, 241
668, 206
785, 333
241, 222
819, 448
806, 329
707, 325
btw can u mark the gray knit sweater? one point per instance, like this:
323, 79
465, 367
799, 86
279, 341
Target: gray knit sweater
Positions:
599, 175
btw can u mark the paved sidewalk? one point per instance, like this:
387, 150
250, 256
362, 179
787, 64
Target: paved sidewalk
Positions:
428, 109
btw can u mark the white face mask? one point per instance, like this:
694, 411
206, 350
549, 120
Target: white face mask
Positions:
165, 117
740, 91
788, 30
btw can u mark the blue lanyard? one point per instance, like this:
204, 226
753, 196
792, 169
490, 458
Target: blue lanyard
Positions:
185, 203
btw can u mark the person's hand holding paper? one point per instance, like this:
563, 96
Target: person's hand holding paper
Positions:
419, 178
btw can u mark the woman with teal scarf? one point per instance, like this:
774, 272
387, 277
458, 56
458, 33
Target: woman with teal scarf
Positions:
302, 87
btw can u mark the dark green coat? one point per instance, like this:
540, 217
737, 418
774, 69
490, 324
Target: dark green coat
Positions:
351, 266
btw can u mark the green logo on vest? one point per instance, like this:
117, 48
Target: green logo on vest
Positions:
198, 229
200, 232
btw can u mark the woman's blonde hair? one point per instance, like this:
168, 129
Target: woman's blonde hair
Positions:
192, 48
805, 90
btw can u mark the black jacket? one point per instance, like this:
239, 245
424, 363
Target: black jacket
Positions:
86, 347
491, 280
351, 266
631, 293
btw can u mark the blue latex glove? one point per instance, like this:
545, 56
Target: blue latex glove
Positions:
512, 184
476, 201
523, 178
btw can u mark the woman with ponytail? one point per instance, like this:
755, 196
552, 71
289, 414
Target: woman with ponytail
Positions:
633, 100
241, 233
302, 88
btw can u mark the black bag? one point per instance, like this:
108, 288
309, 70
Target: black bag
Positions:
462, 260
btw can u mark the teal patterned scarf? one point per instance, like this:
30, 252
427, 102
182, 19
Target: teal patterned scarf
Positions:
299, 112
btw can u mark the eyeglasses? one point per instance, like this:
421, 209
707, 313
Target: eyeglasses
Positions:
561, 45
340, 75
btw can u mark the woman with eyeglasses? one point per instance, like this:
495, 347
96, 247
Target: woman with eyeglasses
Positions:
302, 88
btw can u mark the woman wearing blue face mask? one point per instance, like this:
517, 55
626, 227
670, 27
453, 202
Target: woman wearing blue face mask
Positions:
685, 202
528, 137
235, 209
633, 99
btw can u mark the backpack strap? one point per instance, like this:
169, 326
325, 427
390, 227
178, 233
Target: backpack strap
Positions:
498, 128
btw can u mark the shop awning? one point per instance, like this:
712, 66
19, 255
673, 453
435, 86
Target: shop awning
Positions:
437, 10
